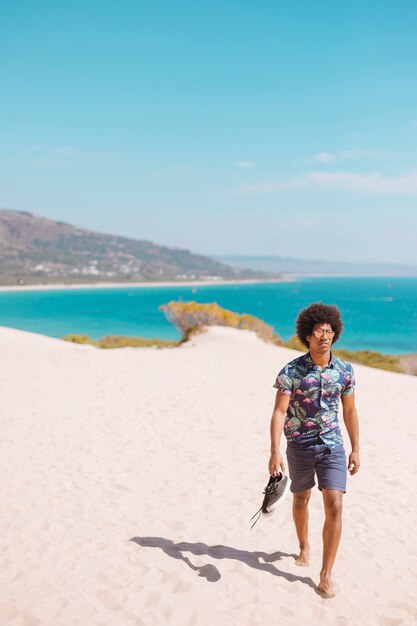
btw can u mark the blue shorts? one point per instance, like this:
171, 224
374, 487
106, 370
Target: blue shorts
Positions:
306, 460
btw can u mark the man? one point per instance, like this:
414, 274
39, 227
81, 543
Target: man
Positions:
306, 406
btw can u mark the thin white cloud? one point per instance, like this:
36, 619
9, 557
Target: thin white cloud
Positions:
245, 165
51, 157
40, 153
356, 153
270, 186
324, 157
35, 149
103, 154
372, 183
63, 151
365, 183
363, 153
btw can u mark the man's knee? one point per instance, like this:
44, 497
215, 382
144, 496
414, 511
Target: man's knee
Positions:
333, 504
301, 498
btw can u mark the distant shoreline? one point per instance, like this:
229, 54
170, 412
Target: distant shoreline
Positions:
193, 283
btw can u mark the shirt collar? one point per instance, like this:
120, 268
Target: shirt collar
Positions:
309, 361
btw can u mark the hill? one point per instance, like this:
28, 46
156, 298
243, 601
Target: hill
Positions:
287, 265
37, 250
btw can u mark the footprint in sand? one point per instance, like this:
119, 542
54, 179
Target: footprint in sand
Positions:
28, 619
152, 599
47, 612
119, 487
110, 600
180, 586
285, 612
7, 613
176, 525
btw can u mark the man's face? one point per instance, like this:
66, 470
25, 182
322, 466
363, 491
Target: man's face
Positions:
321, 341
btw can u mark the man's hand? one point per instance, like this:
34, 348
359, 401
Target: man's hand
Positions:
354, 463
276, 464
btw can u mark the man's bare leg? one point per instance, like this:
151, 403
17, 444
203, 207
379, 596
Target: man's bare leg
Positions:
300, 515
332, 530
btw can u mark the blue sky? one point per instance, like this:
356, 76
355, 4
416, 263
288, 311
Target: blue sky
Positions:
240, 127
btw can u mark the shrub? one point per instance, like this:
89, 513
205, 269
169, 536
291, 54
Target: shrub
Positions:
116, 341
192, 317
84, 339
295, 344
390, 362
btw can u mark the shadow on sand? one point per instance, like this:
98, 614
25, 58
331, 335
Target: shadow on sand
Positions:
210, 572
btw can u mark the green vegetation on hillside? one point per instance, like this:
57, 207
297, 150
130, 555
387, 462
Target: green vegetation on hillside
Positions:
406, 363
117, 341
192, 317
390, 362
295, 344
36, 250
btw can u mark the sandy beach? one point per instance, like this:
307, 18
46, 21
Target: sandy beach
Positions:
191, 283
129, 478
188, 283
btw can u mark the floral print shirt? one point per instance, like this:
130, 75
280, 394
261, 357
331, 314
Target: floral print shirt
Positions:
315, 394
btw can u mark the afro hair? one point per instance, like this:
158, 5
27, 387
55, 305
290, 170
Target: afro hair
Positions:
318, 314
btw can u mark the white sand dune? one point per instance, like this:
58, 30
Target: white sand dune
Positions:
128, 478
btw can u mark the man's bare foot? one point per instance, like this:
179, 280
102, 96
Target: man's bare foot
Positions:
303, 558
326, 587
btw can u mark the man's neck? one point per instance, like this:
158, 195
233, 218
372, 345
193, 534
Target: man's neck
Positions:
321, 360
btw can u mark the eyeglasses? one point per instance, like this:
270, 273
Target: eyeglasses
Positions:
320, 332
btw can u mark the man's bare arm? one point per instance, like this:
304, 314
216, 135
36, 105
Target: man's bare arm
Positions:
350, 417
276, 461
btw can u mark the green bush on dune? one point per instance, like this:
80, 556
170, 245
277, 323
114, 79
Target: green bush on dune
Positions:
192, 317
84, 339
390, 362
116, 341
295, 344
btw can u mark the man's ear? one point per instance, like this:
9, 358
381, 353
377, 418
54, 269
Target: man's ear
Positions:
308, 338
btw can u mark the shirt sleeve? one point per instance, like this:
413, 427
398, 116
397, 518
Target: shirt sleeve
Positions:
350, 384
284, 382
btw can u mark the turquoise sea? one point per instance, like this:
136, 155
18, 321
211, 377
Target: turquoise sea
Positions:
378, 313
